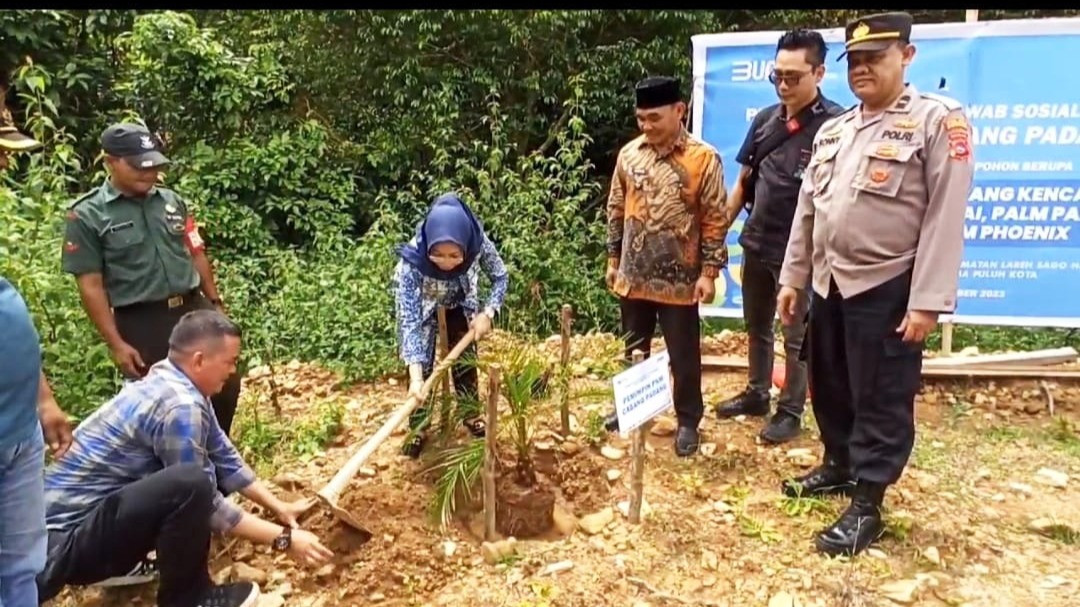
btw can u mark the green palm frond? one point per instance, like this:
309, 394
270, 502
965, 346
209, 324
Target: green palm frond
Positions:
458, 467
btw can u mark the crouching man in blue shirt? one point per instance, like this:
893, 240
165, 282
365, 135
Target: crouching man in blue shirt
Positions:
143, 474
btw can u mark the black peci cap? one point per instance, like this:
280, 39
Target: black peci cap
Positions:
656, 91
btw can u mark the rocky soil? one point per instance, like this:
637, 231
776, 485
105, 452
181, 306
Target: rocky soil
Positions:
987, 514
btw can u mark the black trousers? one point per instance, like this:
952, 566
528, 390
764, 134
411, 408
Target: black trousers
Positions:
168, 511
147, 326
760, 284
682, 333
463, 370
864, 379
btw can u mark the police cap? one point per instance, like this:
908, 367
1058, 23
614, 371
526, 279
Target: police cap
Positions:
876, 32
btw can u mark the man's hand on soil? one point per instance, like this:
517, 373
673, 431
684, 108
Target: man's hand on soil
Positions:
306, 549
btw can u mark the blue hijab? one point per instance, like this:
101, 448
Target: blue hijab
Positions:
448, 220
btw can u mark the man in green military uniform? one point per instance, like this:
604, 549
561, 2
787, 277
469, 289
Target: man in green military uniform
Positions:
138, 259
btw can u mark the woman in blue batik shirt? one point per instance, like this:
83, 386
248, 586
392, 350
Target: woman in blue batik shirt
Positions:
441, 266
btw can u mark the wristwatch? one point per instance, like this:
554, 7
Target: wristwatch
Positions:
282, 542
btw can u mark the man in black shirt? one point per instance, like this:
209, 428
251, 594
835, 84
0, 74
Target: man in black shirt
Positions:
773, 156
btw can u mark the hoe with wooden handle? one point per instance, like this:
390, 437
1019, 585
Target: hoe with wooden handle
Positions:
332, 491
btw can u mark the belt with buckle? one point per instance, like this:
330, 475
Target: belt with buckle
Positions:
175, 301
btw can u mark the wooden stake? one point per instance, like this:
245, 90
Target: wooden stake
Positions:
946, 338
637, 461
444, 339
564, 405
490, 452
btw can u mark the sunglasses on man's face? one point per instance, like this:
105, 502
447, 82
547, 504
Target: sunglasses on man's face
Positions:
788, 78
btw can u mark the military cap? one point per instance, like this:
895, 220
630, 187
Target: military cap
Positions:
135, 144
657, 91
876, 32
11, 140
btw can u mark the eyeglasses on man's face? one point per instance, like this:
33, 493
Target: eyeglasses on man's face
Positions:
790, 78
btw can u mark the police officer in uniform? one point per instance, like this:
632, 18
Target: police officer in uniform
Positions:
878, 237
138, 258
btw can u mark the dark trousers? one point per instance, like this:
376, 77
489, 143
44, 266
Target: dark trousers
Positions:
463, 370
147, 326
864, 379
760, 283
168, 511
682, 334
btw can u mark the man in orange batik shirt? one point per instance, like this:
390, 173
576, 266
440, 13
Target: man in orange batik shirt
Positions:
665, 243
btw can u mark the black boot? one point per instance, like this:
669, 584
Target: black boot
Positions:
859, 526
747, 402
686, 441
782, 428
830, 478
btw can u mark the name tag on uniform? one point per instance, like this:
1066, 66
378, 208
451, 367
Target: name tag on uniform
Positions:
120, 226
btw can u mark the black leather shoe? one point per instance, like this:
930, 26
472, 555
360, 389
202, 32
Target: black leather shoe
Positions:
859, 526
686, 441
782, 428
746, 402
611, 422
827, 479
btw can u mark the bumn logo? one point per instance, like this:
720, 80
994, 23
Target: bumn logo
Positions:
748, 71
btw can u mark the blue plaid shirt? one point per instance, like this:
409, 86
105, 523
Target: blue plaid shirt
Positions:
161, 420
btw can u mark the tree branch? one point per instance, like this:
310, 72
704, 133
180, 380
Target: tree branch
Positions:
553, 133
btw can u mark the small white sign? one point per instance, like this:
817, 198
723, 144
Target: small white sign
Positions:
643, 391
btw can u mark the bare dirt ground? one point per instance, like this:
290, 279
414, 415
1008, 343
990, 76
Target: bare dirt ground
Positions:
987, 513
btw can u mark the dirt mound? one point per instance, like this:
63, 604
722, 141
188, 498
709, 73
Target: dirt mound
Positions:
402, 558
582, 483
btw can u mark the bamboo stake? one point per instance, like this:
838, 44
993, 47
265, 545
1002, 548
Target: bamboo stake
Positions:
564, 405
637, 461
444, 339
490, 452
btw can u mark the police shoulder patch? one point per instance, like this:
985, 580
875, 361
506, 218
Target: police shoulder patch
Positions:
949, 103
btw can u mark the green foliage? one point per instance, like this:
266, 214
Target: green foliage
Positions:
458, 467
522, 371
260, 437
31, 237
309, 143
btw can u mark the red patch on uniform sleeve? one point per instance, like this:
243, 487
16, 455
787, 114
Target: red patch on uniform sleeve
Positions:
959, 135
191, 236
959, 148
70, 247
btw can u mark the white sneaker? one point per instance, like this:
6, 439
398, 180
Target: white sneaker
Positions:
143, 573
